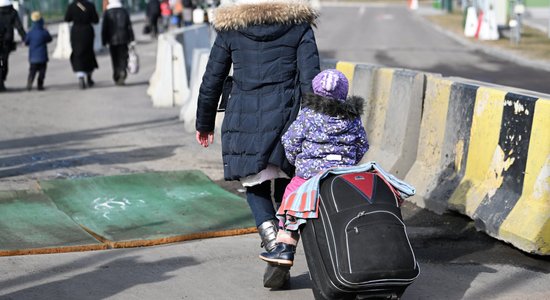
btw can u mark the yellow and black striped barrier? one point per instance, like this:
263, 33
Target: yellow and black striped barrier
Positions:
476, 148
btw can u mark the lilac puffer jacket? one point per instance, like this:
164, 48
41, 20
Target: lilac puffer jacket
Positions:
327, 133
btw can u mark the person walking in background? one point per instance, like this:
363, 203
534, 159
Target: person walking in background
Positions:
8, 21
117, 33
83, 61
37, 40
272, 48
187, 12
178, 13
153, 14
166, 14
327, 133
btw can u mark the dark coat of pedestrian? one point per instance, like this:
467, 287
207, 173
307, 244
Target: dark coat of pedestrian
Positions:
117, 33
9, 20
153, 14
272, 48
82, 14
267, 51
37, 40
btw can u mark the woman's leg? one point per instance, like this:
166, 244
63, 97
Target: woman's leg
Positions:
259, 200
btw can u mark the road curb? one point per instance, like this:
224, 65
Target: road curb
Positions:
504, 54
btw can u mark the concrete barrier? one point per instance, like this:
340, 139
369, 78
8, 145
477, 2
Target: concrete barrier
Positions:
171, 81
479, 149
168, 86
485, 152
63, 47
161, 87
505, 188
188, 113
393, 104
191, 38
180, 78
394, 118
444, 132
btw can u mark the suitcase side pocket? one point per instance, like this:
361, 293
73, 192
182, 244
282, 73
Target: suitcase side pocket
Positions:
377, 247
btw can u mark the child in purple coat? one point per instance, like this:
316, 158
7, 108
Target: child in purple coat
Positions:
327, 133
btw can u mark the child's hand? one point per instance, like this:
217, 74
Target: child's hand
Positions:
205, 138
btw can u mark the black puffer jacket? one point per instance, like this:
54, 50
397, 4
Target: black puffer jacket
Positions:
267, 51
8, 21
153, 9
117, 27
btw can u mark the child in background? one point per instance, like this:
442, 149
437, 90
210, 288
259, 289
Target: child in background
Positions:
327, 133
37, 39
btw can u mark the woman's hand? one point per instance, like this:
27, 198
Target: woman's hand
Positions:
205, 138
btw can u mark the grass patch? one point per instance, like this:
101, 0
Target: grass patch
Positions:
534, 43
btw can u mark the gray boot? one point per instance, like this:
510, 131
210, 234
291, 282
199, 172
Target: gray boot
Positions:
268, 234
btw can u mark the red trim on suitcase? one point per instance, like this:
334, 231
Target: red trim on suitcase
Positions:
364, 181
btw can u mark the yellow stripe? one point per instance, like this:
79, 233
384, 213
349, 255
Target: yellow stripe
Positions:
429, 162
438, 91
528, 224
377, 108
348, 69
484, 158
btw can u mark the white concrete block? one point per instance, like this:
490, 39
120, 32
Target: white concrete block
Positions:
182, 92
63, 47
189, 110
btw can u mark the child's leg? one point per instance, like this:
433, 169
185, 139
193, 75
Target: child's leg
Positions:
42, 75
32, 73
283, 254
288, 237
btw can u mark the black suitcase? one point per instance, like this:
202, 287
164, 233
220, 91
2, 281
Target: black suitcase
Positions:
358, 247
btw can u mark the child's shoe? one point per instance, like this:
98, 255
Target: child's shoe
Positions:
29, 84
282, 255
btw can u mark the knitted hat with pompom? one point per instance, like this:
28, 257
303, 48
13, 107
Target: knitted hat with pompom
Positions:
331, 83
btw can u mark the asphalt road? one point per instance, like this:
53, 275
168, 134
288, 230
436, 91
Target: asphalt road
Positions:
108, 130
392, 36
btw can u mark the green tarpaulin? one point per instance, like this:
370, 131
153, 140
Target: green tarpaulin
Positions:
31, 223
151, 208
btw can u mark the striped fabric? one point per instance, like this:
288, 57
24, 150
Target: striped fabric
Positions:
303, 203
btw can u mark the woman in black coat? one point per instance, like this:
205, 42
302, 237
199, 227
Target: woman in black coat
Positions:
83, 14
272, 48
117, 33
152, 12
9, 19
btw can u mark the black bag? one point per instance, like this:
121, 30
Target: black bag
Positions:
358, 247
226, 93
147, 28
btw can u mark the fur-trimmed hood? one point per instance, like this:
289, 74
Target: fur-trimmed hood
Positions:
350, 109
239, 16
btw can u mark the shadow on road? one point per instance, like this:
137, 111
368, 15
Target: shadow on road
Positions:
82, 135
107, 279
74, 158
